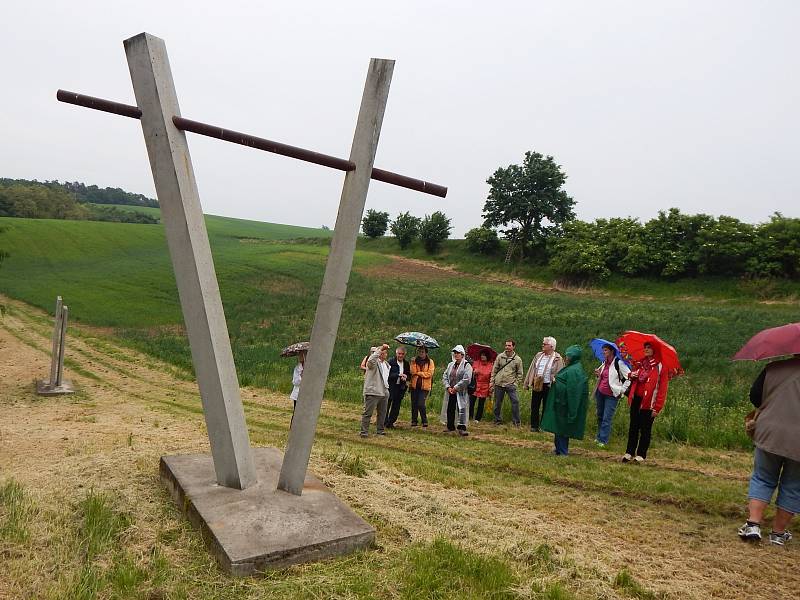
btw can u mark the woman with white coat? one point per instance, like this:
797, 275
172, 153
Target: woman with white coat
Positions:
612, 382
456, 379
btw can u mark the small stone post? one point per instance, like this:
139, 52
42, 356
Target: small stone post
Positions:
56, 384
56, 343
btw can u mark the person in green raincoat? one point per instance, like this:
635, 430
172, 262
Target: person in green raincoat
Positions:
565, 412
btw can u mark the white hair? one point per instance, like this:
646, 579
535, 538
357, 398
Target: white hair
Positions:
550, 340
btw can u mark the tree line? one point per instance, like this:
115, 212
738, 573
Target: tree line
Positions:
53, 200
432, 230
90, 193
529, 217
540, 226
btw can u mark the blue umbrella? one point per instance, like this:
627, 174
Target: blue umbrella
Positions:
415, 338
597, 347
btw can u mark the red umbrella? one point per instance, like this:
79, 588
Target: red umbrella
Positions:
631, 343
474, 351
777, 341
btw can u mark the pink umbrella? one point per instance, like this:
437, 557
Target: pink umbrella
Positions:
777, 341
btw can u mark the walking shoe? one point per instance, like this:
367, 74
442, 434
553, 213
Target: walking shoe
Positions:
364, 434
424, 424
779, 539
463, 432
750, 531
638, 459
626, 457
599, 444
380, 433
413, 424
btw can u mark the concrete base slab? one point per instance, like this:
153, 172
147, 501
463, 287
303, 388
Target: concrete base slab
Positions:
262, 528
43, 388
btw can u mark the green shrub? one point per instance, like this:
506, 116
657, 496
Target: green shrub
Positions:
433, 230
406, 229
375, 223
482, 240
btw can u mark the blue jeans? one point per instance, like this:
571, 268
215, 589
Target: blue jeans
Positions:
772, 471
606, 407
562, 445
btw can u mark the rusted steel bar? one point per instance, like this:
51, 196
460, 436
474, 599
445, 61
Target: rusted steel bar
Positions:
252, 141
434, 189
118, 108
126, 110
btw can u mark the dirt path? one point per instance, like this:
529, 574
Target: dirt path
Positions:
132, 409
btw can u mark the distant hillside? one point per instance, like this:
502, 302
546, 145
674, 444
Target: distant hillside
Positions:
90, 193
33, 200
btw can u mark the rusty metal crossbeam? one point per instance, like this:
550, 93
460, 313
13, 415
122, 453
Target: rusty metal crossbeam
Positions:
245, 139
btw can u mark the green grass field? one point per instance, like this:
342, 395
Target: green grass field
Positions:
119, 276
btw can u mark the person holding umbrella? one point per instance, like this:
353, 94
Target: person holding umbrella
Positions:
541, 374
775, 429
456, 379
483, 360
612, 382
422, 368
648, 390
300, 349
565, 410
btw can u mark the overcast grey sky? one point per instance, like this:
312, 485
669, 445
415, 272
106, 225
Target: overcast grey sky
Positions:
646, 105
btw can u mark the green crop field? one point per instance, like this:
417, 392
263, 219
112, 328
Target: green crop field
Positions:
119, 276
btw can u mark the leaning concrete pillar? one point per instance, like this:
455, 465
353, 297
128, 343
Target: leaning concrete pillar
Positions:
56, 345
191, 259
337, 274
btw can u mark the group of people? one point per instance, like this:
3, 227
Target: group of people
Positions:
558, 384
559, 398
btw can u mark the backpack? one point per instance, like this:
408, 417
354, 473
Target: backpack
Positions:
627, 391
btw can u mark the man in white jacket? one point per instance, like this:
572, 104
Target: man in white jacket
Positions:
612, 381
376, 389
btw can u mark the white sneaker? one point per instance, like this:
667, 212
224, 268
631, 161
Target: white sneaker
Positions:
626, 457
779, 539
750, 532
638, 459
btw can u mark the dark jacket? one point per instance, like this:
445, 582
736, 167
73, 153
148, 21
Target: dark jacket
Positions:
394, 373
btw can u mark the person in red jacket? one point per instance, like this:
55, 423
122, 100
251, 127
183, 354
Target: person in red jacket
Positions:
647, 395
482, 370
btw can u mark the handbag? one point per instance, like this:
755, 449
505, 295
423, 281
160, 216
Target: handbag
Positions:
750, 422
538, 380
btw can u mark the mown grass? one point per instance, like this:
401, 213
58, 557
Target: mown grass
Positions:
15, 513
453, 514
119, 275
93, 552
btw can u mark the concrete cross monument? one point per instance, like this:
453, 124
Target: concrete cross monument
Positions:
258, 510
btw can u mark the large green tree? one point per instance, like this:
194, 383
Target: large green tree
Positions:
528, 200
